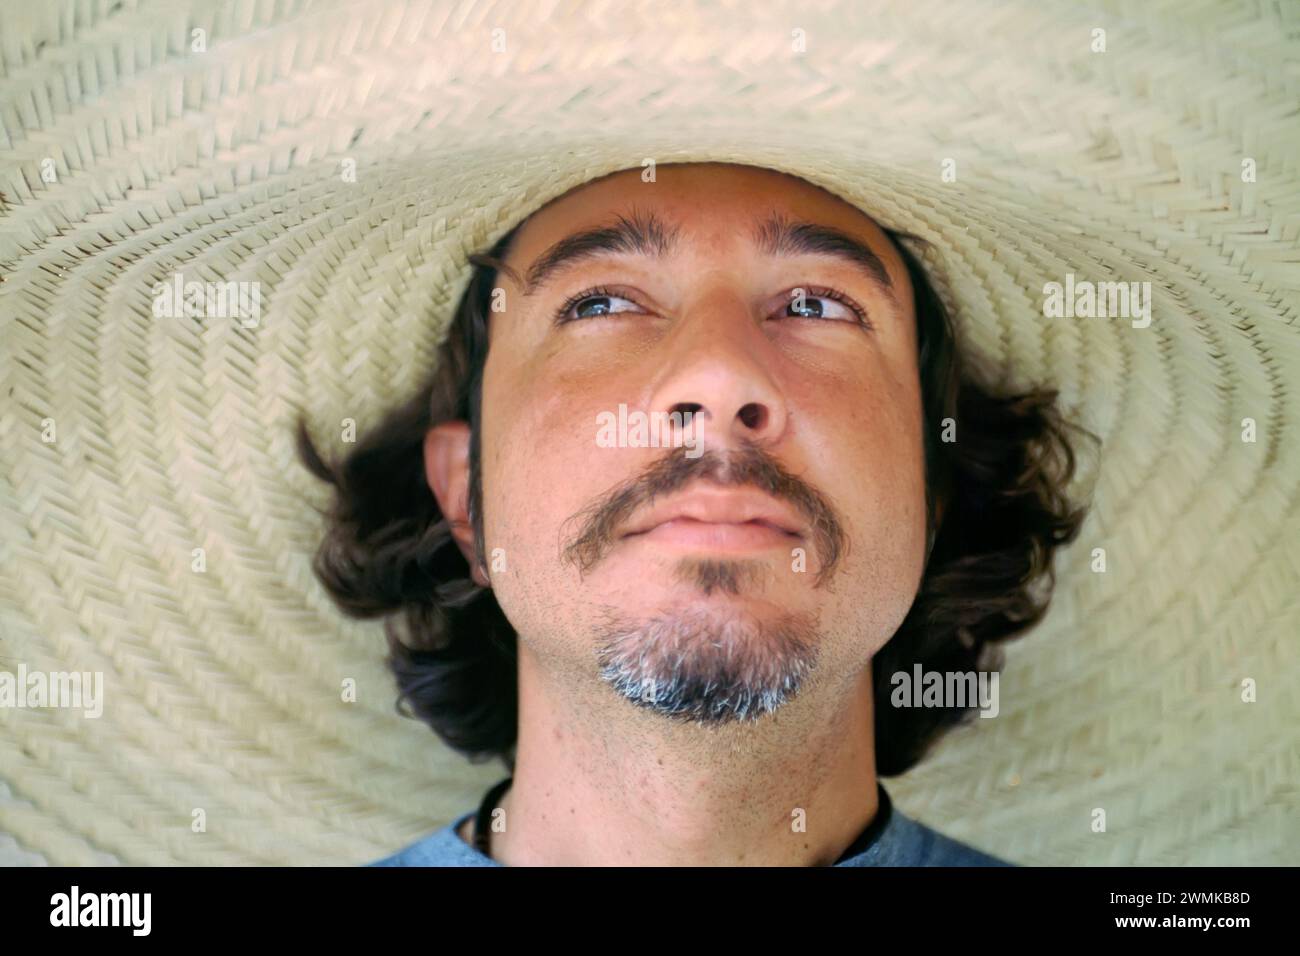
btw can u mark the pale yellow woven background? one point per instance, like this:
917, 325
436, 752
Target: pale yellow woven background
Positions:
223, 687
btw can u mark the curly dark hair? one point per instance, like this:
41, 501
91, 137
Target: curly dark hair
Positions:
388, 551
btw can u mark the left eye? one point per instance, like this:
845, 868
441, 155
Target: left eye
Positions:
820, 304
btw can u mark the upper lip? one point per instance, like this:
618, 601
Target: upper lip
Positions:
717, 506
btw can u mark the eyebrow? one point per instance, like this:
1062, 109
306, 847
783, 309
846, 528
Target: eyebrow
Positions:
647, 235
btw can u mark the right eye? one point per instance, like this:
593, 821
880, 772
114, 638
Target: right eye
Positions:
590, 303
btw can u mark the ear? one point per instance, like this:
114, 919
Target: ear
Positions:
446, 469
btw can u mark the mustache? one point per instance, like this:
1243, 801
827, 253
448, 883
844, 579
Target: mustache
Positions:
749, 464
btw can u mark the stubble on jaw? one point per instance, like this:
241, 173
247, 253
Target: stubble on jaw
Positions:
705, 665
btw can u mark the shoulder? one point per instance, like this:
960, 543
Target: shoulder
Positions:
441, 848
908, 842
929, 847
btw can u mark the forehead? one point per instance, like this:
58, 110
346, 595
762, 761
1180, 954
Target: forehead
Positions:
713, 205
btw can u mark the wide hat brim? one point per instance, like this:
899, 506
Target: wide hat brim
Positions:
349, 157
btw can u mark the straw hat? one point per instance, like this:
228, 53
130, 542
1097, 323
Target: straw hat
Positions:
348, 157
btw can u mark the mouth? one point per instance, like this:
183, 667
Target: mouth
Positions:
719, 520
717, 535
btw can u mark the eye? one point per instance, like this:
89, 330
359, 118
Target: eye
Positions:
590, 303
810, 303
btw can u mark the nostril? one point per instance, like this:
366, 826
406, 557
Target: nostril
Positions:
753, 416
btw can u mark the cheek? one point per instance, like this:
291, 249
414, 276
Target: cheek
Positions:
541, 464
876, 476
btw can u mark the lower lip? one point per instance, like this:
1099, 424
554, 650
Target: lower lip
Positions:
749, 536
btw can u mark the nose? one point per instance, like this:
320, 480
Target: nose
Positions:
717, 364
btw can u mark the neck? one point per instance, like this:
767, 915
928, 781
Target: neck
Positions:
601, 782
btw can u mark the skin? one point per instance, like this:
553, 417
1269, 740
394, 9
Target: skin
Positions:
599, 778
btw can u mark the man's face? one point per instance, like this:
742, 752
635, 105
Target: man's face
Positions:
707, 567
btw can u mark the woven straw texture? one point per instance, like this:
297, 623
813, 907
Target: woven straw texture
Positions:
347, 157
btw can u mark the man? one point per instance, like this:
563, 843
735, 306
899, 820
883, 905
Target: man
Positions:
698, 633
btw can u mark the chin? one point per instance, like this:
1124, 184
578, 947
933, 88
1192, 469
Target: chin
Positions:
711, 663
